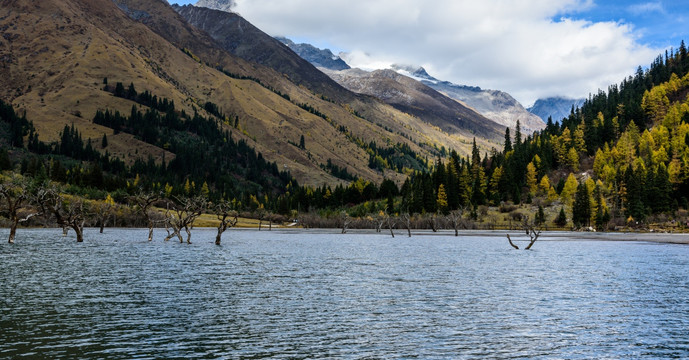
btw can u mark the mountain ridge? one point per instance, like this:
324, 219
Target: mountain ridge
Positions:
557, 107
59, 78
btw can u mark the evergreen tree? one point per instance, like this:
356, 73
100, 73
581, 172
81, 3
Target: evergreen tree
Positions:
390, 205
531, 178
508, 141
131, 92
441, 201
302, 143
429, 195
662, 202
581, 210
540, 216
452, 187
634, 194
104, 142
119, 90
561, 219
5, 162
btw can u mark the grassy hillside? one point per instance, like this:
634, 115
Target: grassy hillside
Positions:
56, 55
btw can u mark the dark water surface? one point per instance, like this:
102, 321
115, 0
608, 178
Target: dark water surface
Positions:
318, 295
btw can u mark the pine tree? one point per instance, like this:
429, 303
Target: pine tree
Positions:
5, 162
452, 185
569, 190
664, 189
390, 205
561, 219
442, 200
119, 90
131, 92
581, 210
508, 141
429, 196
531, 178
302, 143
104, 142
540, 216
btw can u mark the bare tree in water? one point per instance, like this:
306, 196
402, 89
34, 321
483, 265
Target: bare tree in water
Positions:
69, 212
406, 220
531, 229
346, 221
227, 217
185, 211
455, 219
15, 203
143, 201
103, 210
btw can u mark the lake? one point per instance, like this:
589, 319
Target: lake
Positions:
317, 294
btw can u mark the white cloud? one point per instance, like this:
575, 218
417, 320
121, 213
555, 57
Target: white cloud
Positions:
645, 8
531, 48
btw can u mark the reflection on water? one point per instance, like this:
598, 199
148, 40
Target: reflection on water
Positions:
314, 295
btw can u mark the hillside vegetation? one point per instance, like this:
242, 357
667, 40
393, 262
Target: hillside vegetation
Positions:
622, 159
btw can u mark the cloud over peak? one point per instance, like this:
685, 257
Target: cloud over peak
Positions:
530, 48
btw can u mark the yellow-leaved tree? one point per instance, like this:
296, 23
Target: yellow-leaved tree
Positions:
568, 191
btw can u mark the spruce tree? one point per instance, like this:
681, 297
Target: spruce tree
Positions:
302, 143
581, 210
540, 216
508, 140
119, 90
5, 162
561, 219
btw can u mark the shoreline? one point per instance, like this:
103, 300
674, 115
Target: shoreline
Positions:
517, 235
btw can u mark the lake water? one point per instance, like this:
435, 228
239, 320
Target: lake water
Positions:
315, 294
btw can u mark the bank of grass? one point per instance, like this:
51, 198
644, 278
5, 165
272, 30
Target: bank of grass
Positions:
210, 220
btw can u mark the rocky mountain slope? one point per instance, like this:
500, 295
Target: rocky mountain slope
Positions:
413, 97
238, 36
496, 105
223, 5
323, 58
555, 107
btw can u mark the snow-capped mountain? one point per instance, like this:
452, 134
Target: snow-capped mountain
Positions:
318, 57
496, 105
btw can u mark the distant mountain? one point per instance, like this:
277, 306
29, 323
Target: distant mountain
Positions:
556, 107
318, 57
414, 97
498, 106
495, 105
223, 5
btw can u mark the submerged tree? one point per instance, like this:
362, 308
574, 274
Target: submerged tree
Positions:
15, 193
455, 219
406, 220
142, 203
531, 229
227, 217
102, 211
69, 212
186, 211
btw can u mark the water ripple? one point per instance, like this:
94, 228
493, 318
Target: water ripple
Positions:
317, 295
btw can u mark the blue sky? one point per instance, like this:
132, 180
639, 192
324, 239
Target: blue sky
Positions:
529, 48
657, 23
